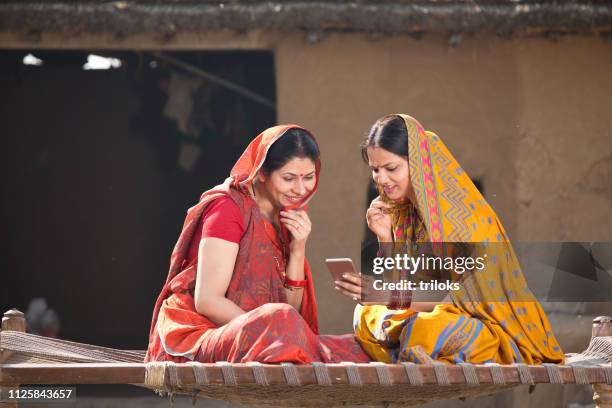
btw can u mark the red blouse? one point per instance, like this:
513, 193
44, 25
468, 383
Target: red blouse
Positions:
221, 219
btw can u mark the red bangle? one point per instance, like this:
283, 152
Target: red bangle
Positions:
299, 284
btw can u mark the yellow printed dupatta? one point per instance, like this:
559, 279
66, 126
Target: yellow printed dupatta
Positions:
494, 317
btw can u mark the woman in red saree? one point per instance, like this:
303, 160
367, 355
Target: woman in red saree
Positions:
239, 287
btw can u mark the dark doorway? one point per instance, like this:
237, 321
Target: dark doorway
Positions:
99, 167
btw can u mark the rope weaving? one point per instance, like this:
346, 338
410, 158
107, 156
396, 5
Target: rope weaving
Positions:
382, 370
598, 353
554, 375
352, 373
227, 369
29, 348
524, 374
469, 372
259, 373
39, 349
287, 384
497, 374
413, 373
321, 373
608, 374
580, 375
600, 348
173, 375
155, 375
291, 374
441, 374
199, 373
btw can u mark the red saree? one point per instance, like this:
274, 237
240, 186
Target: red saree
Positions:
271, 331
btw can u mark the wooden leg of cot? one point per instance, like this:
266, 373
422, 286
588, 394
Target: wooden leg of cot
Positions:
602, 396
12, 320
602, 326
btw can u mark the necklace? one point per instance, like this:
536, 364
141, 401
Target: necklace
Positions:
273, 231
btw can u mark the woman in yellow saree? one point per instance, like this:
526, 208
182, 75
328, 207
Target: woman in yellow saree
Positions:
428, 198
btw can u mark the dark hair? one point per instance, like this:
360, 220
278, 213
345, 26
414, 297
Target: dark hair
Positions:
389, 133
294, 143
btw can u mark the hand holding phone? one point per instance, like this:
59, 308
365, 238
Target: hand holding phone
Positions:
353, 284
339, 266
346, 278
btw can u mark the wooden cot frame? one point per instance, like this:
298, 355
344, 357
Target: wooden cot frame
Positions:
171, 376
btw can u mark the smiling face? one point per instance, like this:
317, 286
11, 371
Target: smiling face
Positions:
291, 183
390, 172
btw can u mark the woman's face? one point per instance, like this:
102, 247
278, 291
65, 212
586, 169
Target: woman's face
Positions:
390, 172
291, 183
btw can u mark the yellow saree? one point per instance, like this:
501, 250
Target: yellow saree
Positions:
494, 317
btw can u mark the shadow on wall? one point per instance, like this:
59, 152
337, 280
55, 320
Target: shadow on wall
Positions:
103, 165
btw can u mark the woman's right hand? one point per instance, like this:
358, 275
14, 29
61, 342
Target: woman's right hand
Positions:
379, 221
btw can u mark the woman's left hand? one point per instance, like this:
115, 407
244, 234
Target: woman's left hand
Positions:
298, 224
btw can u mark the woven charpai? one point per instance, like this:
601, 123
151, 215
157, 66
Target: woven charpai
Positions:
314, 384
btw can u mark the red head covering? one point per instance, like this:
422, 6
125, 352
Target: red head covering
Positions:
251, 160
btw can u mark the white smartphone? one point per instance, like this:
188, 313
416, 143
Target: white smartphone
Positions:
338, 266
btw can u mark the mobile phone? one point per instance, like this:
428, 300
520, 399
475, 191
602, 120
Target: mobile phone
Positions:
338, 266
